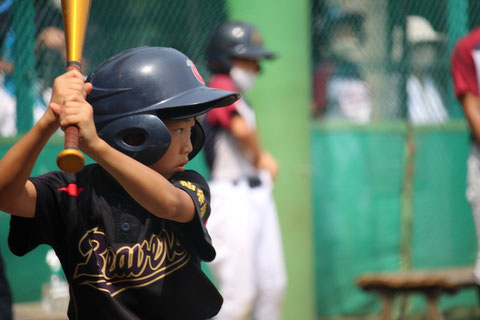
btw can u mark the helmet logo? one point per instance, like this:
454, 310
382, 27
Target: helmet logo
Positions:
195, 71
256, 37
238, 32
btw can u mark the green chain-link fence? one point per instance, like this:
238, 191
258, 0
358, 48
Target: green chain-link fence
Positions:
386, 60
30, 39
389, 146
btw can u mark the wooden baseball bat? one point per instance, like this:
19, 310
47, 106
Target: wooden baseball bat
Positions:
75, 18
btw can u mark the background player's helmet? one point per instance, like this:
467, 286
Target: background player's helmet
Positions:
420, 30
136, 89
235, 40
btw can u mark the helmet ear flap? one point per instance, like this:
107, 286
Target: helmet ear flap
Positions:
144, 137
198, 139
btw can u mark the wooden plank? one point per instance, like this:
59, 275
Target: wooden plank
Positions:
450, 279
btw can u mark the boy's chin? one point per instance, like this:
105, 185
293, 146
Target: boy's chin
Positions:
180, 169
168, 175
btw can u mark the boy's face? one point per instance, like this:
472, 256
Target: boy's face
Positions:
250, 65
176, 157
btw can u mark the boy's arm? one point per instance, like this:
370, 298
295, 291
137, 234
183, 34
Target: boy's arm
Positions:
249, 139
471, 107
17, 193
149, 188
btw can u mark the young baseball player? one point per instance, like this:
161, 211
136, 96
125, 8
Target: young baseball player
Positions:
129, 230
249, 267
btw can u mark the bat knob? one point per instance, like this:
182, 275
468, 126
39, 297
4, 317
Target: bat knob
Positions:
70, 160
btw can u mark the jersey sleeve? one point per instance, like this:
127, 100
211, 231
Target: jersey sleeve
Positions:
222, 116
197, 188
320, 80
463, 68
27, 233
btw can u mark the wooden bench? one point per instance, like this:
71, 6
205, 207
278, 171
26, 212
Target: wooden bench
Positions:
431, 283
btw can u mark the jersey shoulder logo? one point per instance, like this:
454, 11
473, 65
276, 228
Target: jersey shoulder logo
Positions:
199, 193
71, 189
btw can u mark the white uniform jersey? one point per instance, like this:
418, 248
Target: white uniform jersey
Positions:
227, 159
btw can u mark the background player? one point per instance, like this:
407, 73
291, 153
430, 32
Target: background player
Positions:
129, 230
249, 266
465, 71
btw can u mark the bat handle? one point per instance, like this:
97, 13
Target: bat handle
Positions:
70, 159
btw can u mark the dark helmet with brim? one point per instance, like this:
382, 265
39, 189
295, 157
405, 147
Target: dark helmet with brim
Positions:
136, 89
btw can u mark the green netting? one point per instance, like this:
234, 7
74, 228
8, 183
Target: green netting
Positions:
383, 45
443, 231
113, 26
388, 193
361, 213
357, 178
184, 25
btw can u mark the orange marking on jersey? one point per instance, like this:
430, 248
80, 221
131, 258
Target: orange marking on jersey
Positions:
72, 190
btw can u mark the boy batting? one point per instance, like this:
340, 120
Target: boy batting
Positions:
130, 229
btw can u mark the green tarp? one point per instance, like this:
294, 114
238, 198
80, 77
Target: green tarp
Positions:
366, 219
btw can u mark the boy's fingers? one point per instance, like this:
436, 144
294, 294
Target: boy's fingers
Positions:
77, 96
75, 79
72, 112
56, 108
88, 88
74, 73
77, 86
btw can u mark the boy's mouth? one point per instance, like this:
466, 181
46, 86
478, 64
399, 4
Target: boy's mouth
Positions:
180, 167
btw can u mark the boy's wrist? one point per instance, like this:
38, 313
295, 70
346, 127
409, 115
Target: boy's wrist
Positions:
95, 148
48, 122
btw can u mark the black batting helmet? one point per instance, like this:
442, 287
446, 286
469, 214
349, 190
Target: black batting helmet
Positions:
137, 88
235, 40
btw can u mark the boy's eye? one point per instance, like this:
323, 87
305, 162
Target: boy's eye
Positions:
178, 131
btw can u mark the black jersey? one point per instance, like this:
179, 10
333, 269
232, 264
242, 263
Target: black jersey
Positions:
121, 261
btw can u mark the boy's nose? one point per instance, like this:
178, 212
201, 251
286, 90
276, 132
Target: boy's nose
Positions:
188, 146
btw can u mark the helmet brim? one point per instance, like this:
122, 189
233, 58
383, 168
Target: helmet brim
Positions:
252, 52
194, 102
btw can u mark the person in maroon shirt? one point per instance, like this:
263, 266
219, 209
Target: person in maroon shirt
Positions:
250, 267
465, 70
